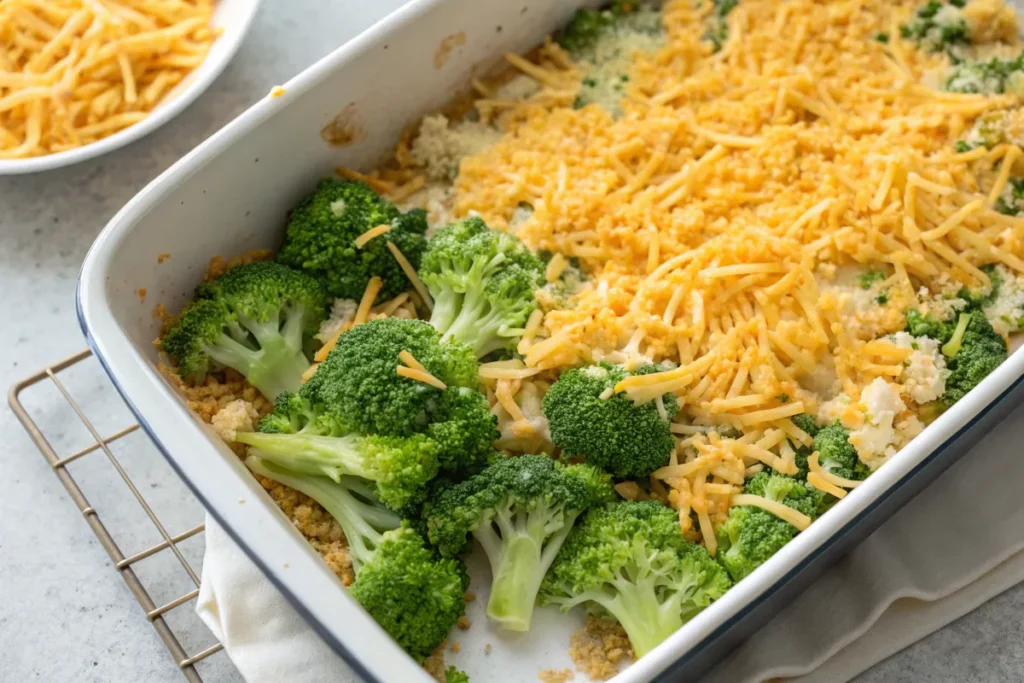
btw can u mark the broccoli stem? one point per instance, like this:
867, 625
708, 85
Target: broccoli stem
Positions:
647, 619
478, 327
446, 309
359, 520
276, 366
519, 559
330, 456
950, 348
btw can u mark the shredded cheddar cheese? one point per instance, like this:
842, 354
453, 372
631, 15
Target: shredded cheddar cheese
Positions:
717, 212
377, 231
73, 72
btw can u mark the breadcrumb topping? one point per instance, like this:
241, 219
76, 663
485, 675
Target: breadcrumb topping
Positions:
556, 675
599, 648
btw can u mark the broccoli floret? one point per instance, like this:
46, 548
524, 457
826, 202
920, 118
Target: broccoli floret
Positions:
399, 466
1011, 201
613, 433
412, 592
751, 535
603, 41
937, 28
718, 29
979, 298
255, 318
588, 25
416, 595
453, 675
972, 355
357, 416
927, 326
360, 383
808, 424
991, 77
321, 233
630, 559
483, 284
349, 500
836, 454
520, 509
972, 348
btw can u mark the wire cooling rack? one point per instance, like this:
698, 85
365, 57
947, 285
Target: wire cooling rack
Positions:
168, 549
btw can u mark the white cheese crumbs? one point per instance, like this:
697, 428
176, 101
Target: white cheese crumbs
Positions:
338, 207
881, 403
441, 144
924, 372
342, 313
237, 416
596, 372
941, 301
1006, 313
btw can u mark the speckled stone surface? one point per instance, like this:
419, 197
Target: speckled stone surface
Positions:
64, 614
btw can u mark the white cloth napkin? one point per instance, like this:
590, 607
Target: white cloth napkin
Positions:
955, 546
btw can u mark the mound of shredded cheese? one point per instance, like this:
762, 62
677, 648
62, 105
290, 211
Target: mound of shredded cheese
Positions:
75, 71
718, 215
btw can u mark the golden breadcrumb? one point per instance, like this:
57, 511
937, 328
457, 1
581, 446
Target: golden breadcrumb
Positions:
556, 675
456, 648
434, 663
208, 397
318, 527
219, 265
464, 623
599, 647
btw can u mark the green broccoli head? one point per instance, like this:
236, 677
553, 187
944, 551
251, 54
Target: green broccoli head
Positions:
971, 355
414, 594
614, 433
973, 349
631, 559
321, 233
464, 429
255, 318
483, 283
935, 29
808, 424
581, 35
979, 297
360, 385
927, 326
751, 535
351, 501
357, 391
836, 454
520, 509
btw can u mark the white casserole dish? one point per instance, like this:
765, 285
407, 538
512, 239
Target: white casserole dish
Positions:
231, 194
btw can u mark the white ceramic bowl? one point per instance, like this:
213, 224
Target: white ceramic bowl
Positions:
232, 193
234, 17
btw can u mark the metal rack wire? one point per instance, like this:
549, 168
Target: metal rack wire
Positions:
124, 565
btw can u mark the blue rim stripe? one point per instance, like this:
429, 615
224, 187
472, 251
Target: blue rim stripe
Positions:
346, 654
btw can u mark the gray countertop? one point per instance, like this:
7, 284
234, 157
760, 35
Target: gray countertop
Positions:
64, 614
